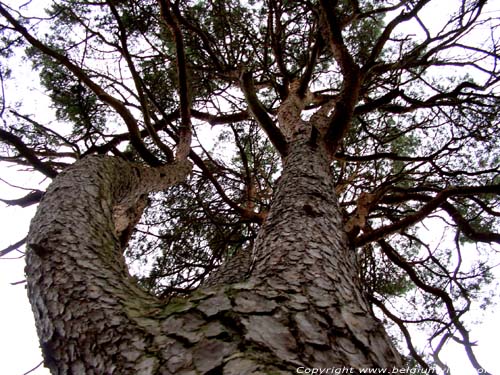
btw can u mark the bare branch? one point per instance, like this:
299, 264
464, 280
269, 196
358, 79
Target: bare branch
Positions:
114, 103
424, 211
31, 198
260, 114
12, 247
139, 85
403, 329
27, 153
384, 37
392, 254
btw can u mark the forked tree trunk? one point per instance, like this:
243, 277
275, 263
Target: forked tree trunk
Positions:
302, 304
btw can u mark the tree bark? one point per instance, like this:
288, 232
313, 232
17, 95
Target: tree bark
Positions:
78, 284
300, 304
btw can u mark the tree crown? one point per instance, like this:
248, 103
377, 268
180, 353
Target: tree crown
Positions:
405, 108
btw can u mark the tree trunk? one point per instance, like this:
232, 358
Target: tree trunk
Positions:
301, 305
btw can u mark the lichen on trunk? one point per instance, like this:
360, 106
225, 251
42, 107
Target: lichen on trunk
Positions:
300, 302
302, 252
78, 282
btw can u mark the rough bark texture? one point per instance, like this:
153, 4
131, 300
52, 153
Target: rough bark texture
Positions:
301, 304
78, 283
303, 253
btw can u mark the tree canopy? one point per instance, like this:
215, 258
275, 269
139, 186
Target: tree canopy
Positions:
407, 102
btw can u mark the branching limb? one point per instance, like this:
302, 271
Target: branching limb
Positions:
384, 37
260, 114
393, 255
352, 79
462, 224
467, 229
436, 352
27, 153
424, 211
32, 198
162, 124
12, 247
185, 131
245, 214
139, 85
403, 330
374, 104
47, 130
204, 37
114, 103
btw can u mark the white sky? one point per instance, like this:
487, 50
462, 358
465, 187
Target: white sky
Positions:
19, 350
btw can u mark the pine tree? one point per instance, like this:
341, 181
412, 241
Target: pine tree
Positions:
339, 130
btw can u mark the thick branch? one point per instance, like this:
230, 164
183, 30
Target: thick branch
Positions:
185, 131
424, 211
12, 247
222, 118
32, 198
352, 78
372, 105
260, 114
27, 153
462, 223
74, 257
311, 63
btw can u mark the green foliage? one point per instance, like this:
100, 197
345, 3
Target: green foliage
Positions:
175, 249
72, 100
381, 276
